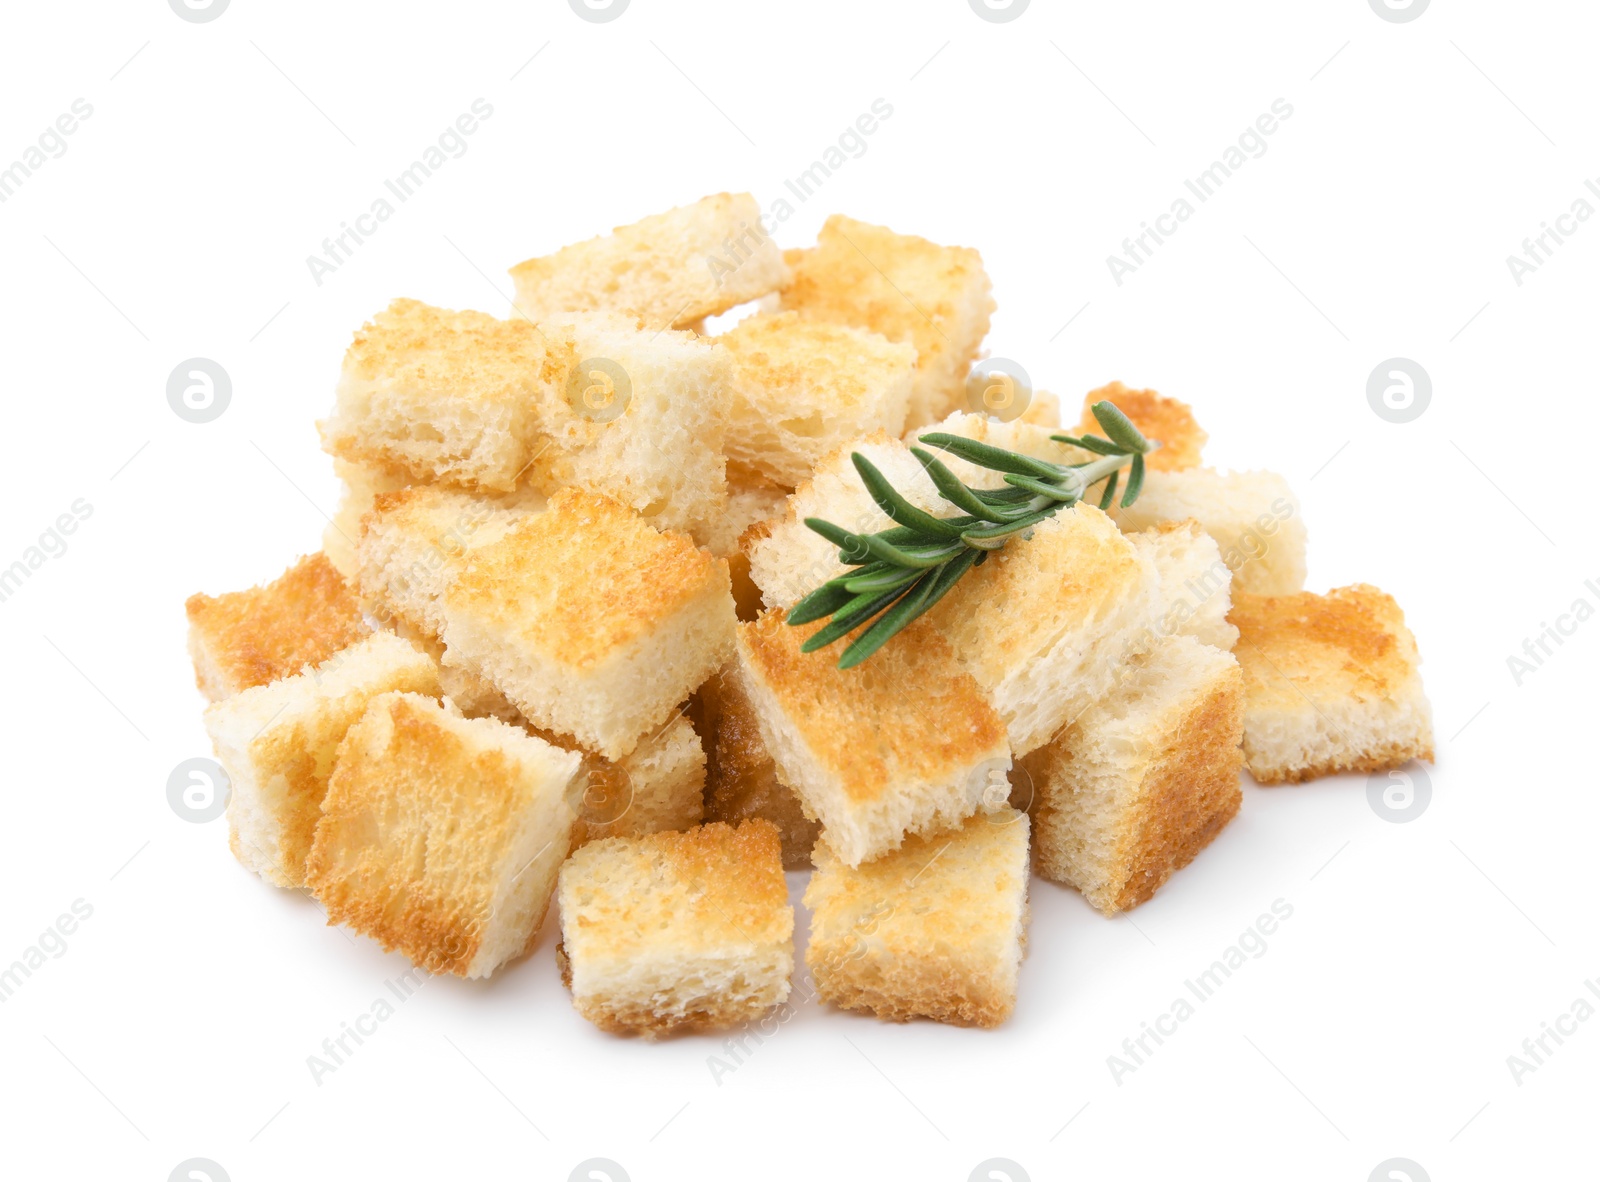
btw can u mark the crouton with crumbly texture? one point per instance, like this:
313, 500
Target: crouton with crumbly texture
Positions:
1044, 624
1331, 684
594, 624
788, 560
657, 787
904, 744
341, 537
247, 638
802, 387
277, 743
741, 779
906, 288
1157, 417
1143, 779
936, 929
669, 270
429, 394
677, 931
1253, 516
1196, 585
441, 836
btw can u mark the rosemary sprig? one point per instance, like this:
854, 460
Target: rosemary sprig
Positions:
900, 573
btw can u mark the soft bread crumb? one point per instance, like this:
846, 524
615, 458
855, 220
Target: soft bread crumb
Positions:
657, 787
441, 836
1166, 420
904, 743
247, 638
677, 931
669, 270
1143, 779
1331, 684
741, 779
277, 743
1196, 585
936, 929
594, 624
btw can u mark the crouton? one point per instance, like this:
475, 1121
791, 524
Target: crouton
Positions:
936, 929
1043, 410
1044, 624
1196, 585
741, 779
677, 931
641, 419
1143, 779
656, 787
802, 387
906, 744
428, 394
1253, 516
591, 622
908, 289
247, 638
788, 560
668, 270
441, 836
342, 535
1331, 684
277, 744
1158, 417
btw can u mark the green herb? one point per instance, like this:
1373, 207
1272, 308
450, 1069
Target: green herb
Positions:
899, 573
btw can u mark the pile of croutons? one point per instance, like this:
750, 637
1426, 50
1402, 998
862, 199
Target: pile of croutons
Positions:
543, 651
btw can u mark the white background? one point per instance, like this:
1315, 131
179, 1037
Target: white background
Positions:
1419, 956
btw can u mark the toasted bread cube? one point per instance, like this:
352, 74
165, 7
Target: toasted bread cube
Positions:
277, 744
1158, 417
247, 638
441, 836
741, 779
677, 931
1331, 684
1143, 779
1045, 623
591, 622
657, 787
788, 560
1253, 516
668, 270
751, 498
1196, 585
936, 929
428, 394
341, 537
803, 387
642, 420
906, 288
1043, 410
414, 544
906, 744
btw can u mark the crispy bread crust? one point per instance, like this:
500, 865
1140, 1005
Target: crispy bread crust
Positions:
248, 638
1157, 417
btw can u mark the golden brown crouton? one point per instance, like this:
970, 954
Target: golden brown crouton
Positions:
442, 835
1331, 684
248, 638
935, 929
1142, 780
906, 288
677, 931
1158, 417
